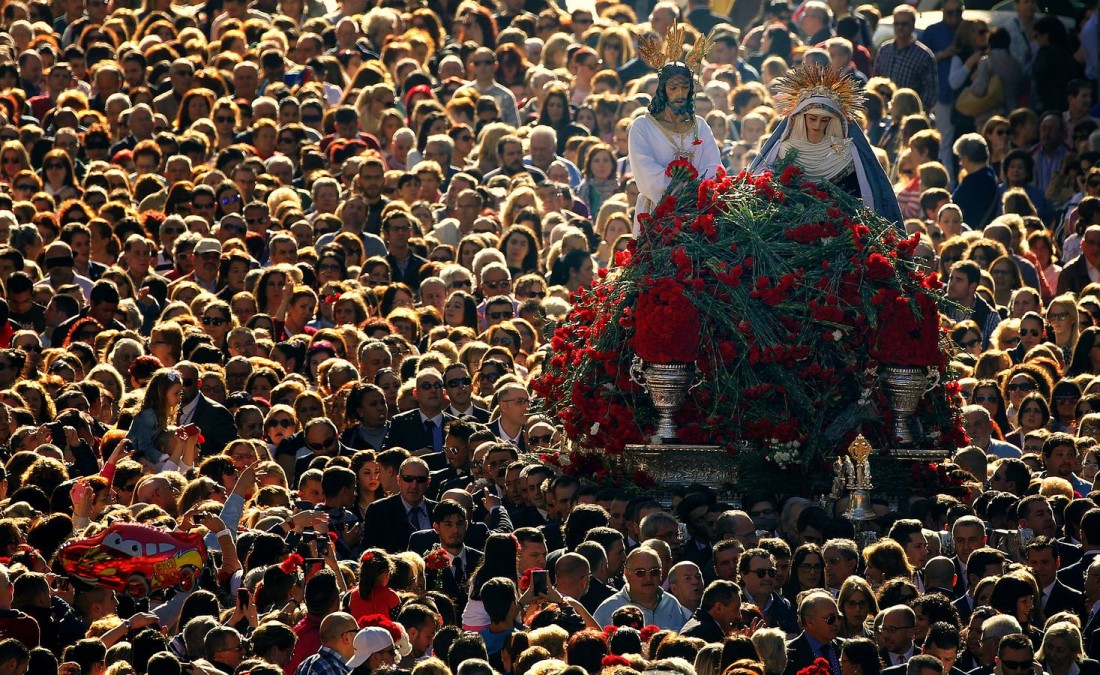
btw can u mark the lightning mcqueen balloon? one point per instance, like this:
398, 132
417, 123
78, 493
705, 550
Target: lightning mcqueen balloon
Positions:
136, 559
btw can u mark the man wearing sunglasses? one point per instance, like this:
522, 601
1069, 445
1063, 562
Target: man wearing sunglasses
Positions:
643, 590
421, 431
820, 627
399, 516
459, 387
213, 418
757, 569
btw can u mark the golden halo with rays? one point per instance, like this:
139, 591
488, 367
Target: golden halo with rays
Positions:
808, 81
655, 55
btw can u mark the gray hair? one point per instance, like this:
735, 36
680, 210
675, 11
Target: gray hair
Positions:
972, 147
770, 644
999, 626
654, 521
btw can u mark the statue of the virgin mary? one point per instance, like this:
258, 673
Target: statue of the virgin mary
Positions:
820, 106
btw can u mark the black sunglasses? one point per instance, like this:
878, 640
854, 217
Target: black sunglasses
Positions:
414, 479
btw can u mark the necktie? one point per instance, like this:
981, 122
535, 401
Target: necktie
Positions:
459, 571
437, 435
834, 664
414, 518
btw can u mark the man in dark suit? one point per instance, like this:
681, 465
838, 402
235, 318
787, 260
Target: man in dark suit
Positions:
1074, 575
1075, 275
450, 524
968, 535
390, 521
718, 611
896, 635
820, 627
458, 454
211, 417
459, 387
321, 439
921, 664
477, 532
597, 590
982, 563
423, 430
404, 264
1054, 596
757, 570
513, 400
942, 642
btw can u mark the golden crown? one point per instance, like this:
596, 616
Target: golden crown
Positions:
809, 81
655, 55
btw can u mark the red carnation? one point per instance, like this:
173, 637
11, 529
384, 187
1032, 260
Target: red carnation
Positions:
612, 660
649, 631
291, 563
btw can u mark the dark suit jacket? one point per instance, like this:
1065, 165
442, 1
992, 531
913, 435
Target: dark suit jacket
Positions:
526, 516
597, 592
1068, 553
900, 670
447, 478
495, 426
421, 542
1074, 276
800, 654
217, 426
386, 524
1064, 599
703, 626
781, 614
704, 19
962, 606
407, 431
1074, 575
480, 414
450, 585
411, 275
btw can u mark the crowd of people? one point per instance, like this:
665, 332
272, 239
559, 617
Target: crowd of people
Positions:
280, 274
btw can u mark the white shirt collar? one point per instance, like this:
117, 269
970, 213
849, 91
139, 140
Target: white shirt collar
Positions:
187, 412
438, 419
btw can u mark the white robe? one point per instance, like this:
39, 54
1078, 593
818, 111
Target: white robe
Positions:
650, 152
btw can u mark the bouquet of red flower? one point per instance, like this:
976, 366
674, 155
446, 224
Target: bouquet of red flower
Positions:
820, 666
666, 324
681, 169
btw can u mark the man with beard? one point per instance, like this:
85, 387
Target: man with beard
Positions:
670, 129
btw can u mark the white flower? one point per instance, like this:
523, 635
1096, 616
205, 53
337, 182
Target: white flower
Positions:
595, 429
838, 334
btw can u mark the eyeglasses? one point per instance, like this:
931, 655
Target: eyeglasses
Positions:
224, 119
1033, 332
810, 567
284, 423
521, 401
890, 630
765, 572
541, 439
830, 619
1021, 386
500, 283
500, 315
1058, 316
188, 382
420, 480
536, 294
642, 573
457, 382
29, 187
972, 343
213, 321
492, 377
327, 443
428, 386
462, 283
232, 199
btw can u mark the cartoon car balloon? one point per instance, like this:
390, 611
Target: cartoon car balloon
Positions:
136, 559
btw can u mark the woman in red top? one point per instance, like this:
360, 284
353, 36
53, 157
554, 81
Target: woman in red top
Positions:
373, 595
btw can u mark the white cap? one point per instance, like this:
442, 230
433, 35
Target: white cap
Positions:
368, 642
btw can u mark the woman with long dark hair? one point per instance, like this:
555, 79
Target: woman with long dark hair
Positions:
373, 595
499, 561
555, 113
807, 571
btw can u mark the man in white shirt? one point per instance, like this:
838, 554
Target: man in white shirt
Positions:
482, 71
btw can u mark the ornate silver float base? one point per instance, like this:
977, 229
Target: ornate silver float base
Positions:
674, 466
921, 454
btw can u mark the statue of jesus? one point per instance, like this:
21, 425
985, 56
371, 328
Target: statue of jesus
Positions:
667, 131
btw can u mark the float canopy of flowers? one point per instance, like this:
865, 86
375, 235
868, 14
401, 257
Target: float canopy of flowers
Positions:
787, 295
